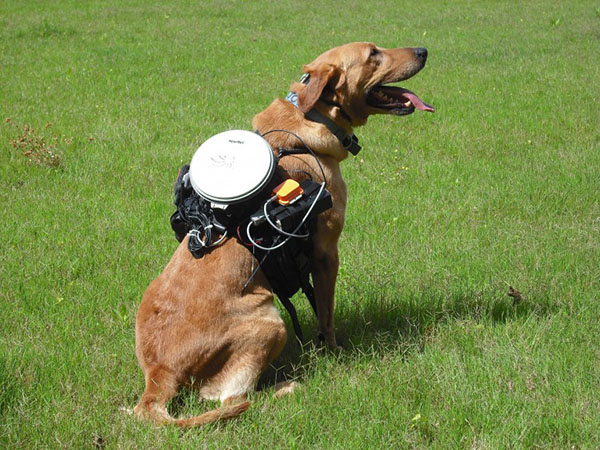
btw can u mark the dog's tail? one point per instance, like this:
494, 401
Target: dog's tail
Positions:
223, 413
160, 415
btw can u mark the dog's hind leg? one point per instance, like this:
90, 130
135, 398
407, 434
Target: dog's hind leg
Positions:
241, 377
161, 386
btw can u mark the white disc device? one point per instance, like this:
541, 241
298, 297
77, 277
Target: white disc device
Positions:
232, 166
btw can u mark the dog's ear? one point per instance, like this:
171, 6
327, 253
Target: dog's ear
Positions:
320, 76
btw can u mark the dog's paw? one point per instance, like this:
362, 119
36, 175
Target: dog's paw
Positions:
126, 410
285, 388
330, 341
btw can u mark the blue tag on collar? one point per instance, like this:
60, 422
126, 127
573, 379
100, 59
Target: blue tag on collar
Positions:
292, 97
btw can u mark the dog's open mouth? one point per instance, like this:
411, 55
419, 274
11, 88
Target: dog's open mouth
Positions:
396, 100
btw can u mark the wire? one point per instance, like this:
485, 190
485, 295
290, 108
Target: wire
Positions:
290, 235
218, 241
281, 230
254, 269
303, 143
196, 235
205, 243
266, 249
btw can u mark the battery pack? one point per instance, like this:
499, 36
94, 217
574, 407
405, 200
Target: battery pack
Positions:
288, 217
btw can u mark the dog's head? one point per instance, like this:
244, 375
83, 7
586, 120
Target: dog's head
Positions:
356, 76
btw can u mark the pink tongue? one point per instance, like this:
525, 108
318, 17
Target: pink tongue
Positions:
416, 101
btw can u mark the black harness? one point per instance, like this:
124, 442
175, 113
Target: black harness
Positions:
287, 268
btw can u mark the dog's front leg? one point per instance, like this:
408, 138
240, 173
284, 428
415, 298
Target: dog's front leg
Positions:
325, 261
324, 274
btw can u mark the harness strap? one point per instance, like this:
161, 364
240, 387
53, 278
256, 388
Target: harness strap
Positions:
289, 306
309, 292
292, 151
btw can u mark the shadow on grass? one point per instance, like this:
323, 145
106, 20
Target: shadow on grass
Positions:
385, 323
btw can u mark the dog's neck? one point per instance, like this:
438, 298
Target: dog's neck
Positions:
282, 115
338, 114
330, 114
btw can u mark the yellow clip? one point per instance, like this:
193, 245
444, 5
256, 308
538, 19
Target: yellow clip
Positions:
288, 191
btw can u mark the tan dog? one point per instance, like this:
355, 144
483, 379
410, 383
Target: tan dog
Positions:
194, 326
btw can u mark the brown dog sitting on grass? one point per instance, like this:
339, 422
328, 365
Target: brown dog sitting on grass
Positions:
194, 323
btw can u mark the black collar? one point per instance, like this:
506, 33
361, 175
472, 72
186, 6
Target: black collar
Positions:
348, 141
337, 105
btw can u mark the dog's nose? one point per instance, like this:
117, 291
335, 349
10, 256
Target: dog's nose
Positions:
421, 53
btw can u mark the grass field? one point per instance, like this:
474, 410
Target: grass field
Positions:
102, 102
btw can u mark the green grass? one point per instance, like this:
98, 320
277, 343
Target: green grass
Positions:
499, 187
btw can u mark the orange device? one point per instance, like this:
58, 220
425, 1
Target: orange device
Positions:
288, 191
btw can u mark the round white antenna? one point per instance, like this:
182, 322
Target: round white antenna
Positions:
232, 166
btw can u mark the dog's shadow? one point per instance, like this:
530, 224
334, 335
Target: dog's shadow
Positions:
395, 324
